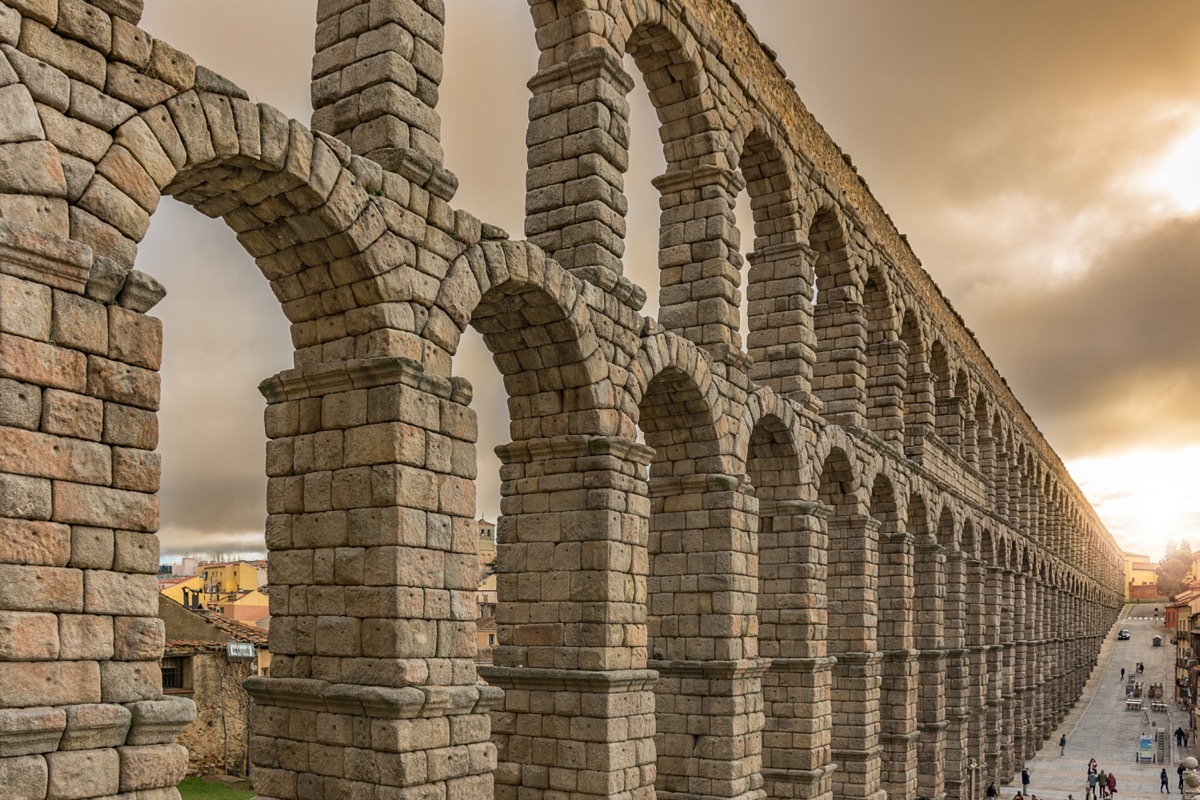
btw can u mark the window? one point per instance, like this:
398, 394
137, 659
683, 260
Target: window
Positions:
177, 673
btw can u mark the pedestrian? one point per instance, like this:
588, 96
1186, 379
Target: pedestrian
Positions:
1164, 783
991, 791
1062, 745
1122, 673
1179, 736
1093, 782
1025, 780
1102, 782
1180, 771
1112, 784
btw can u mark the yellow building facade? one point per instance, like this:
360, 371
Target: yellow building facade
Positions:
1141, 579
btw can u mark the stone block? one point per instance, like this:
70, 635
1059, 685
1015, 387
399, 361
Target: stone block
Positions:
19, 120
25, 731
45, 456
152, 766
81, 504
49, 683
32, 168
23, 497
130, 427
80, 323
95, 725
134, 338
159, 721
141, 292
27, 636
136, 553
79, 774
136, 470
25, 308
92, 548
24, 778
96, 108
36, 543
25, 588
85, 23
85, 637
20, 404
129, 681
120, 594
74, 58
138, 638
71, 414
49, 214
122, 383
41, 364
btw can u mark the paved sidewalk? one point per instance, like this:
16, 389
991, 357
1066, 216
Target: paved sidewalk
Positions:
1099, 727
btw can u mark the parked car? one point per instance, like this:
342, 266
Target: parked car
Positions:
1124, 634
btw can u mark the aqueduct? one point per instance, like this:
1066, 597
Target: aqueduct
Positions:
840, 561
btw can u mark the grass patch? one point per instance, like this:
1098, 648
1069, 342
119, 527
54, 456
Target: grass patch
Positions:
207, 789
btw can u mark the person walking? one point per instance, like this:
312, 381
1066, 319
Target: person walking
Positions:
1180, 771
1112, 784
1102, 783
1164, 782
1179, 736
991, 791
1093, 783
1025, 780
1062, 745
1122, 673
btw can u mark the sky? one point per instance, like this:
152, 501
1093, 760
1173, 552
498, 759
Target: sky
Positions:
1043, 159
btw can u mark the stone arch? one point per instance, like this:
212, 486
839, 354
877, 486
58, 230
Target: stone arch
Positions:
539, 330
918, 385
839, 373
885, 357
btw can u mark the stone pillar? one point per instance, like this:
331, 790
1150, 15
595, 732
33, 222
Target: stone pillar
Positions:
373, 574
919, 413
700, 259
950, 423
703, 637
82, 714
899, 697
1007, 660
885, 389
840, 374
1037, 674
782, 343
578, 711
931, 627
857, 675
957, 676
577, 154
797, 764
977, 649
376, 72
1020, 656
994, 669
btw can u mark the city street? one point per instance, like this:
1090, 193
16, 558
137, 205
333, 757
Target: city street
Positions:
1100, 727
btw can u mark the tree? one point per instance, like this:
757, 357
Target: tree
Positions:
1174, 568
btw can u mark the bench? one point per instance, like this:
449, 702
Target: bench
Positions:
1133, 705
1155, 706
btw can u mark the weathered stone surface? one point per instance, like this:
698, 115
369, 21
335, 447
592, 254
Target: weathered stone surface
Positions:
78, 774
92, 548
152, 766
29, 588
20, 404
141, 292
48, 85
35, 543
23, 497
19, 121
28, 637
120, 593
45, 683
25, 308
95, 725
81, 504
129, 681
24, 778
160, 721
71, 414
85, 637
24, 731
31, 168
138, 639
41, 364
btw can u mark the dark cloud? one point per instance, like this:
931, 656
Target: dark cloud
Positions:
1106, 359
